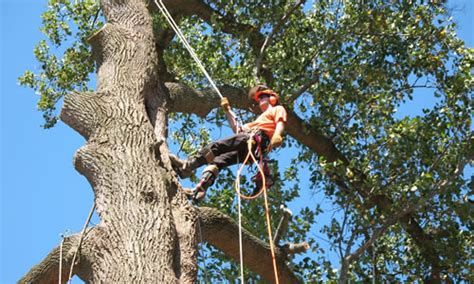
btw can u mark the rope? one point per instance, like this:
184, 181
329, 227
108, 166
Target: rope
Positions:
267, 211
206, 280
240, 234
239, 172
60, 259
80, 242
186, 44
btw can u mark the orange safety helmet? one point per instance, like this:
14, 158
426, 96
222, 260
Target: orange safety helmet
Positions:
255, 93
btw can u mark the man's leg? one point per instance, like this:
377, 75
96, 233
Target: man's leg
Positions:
230, 151
236, 142
208, 177
185, 168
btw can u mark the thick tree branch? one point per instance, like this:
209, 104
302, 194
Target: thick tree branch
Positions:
81, 112
47, 271
187, 100
223, 233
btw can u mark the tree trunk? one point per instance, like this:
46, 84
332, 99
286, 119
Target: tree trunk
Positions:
147, 228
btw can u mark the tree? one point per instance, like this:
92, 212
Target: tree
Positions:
343, 68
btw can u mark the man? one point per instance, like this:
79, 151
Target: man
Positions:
268, 128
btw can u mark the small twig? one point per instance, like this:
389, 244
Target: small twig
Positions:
283, 225
313, 80
269, 38
289, 248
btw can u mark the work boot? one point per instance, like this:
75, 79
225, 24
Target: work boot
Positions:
196, 194
209, 175
184, 168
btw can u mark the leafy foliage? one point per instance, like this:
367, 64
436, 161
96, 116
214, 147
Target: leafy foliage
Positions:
67, 25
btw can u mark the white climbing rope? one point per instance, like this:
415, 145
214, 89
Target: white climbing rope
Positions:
80, 242
61, 260
186, 44
206, 279
240, 235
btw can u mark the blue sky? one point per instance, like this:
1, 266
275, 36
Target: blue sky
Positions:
41, 194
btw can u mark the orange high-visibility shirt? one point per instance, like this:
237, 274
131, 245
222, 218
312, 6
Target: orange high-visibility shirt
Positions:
268, 120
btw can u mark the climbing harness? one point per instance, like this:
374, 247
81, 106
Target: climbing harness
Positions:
261, 171
258, 178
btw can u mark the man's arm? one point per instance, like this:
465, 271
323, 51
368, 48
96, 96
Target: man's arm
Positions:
229, 114
232, 120
277, 137
280, 127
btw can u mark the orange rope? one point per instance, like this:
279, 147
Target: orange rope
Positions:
267, 211
239, 172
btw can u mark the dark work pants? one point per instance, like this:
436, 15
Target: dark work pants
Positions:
231, 150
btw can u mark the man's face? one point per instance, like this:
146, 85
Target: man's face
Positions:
263, 102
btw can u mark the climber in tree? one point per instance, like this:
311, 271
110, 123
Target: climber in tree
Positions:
267, 129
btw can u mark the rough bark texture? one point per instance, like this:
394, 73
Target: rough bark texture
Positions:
47, 271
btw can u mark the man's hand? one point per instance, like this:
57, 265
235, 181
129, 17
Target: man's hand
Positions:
229, 114
225, 104
276, 141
